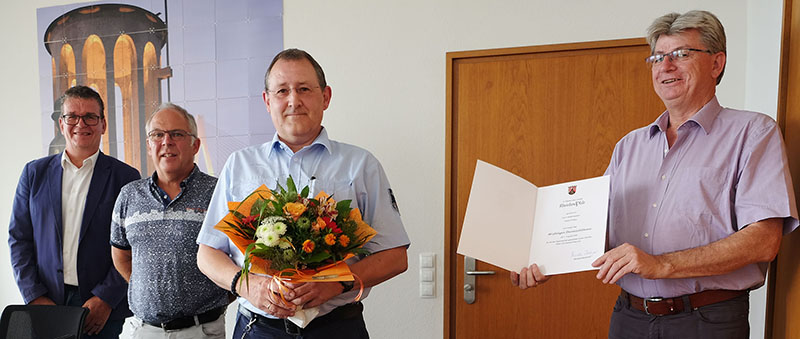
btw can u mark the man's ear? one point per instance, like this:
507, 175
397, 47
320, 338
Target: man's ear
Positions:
326, 97
719, 64
196, 145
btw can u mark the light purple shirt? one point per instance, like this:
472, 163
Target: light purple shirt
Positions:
726, 170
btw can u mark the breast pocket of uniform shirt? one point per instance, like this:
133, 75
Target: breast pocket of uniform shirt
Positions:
339, 190
697, 200
246, 186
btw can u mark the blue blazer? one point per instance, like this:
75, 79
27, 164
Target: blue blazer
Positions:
36, 233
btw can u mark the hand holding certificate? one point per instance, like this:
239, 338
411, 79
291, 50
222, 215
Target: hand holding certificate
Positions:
511, 223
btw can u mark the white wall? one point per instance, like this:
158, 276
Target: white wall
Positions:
764, 22
386, 63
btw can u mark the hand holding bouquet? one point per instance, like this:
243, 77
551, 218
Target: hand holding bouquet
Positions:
292, 237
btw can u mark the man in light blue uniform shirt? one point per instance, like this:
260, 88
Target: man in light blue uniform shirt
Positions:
296, 95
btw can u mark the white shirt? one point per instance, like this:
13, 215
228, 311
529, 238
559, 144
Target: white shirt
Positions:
74, 188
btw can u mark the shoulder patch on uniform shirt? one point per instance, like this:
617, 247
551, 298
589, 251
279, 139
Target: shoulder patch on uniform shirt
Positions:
394, 201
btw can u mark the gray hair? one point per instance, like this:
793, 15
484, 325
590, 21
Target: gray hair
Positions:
712, 34
168, 105
296, 54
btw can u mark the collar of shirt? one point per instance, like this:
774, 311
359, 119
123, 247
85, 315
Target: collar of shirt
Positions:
322, 139
161, 194
705, 118
66, 163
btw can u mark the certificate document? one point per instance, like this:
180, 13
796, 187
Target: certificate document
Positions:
511, 223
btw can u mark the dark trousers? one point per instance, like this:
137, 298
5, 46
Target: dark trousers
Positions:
724, 320
338, 324
112, 329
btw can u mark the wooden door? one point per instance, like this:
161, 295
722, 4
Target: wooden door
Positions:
549, 114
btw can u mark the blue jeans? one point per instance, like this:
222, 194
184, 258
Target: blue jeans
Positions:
329, 326
724, 320
112, 329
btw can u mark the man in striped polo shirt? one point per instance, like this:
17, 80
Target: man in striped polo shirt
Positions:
155, 223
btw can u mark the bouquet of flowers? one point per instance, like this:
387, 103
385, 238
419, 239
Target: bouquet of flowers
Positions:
292, 237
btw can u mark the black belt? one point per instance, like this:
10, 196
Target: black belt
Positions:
342, 312
189, 321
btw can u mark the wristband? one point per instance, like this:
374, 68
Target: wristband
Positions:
234, 281
347, 286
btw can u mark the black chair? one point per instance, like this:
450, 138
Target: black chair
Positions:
42, 322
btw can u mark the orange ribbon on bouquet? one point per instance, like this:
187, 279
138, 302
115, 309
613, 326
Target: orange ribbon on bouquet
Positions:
322, 275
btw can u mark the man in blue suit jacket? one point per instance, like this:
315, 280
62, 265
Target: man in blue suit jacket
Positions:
60, 225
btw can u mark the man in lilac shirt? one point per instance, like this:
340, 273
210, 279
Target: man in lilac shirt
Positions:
699, 199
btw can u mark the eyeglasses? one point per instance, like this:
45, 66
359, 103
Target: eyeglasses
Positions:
88, 119
283, 92
676, 55
157, 135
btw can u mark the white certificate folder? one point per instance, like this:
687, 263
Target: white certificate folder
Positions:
511, 223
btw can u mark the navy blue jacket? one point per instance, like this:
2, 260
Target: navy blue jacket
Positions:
36, 233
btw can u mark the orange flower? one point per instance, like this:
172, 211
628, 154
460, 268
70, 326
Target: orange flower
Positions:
294, 209
344, 240
318, 225
308, 246
330, 239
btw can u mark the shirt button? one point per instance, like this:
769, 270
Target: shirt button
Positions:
654, 205
663, 177
646, 235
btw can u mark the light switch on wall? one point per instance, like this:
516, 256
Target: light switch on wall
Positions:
427, 260
426, 290
427, 275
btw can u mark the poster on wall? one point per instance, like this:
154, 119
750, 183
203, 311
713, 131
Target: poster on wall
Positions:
208, 56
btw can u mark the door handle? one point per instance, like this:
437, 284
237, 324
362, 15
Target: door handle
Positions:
479, 272
469, 278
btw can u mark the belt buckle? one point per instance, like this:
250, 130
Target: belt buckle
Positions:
652, 300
